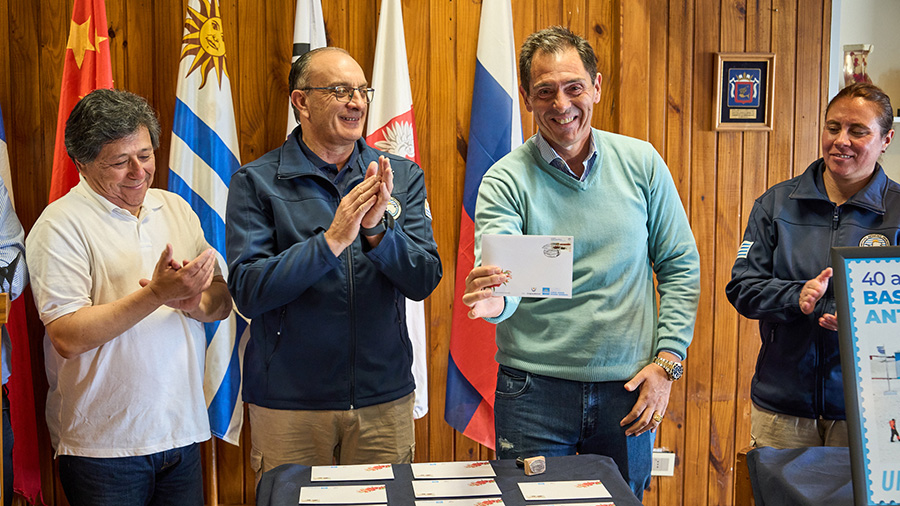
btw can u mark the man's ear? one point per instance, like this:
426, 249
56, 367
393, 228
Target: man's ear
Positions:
525, 98
299, 101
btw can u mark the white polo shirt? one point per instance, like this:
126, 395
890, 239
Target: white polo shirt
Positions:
142, 392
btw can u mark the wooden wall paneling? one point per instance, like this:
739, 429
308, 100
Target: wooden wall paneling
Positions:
825, 59
759, 31
442, 109
604, 34
56, 17
634, 69
678, 122
254, 98
781, 145
24, 114
809, 84
159, 82
703, 196
728, 192
658, 38
115, 16
138, 46
335, 14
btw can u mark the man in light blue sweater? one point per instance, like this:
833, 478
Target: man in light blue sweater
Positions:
590, 374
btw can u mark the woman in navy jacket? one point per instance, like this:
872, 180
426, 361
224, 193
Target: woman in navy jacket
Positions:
782, 271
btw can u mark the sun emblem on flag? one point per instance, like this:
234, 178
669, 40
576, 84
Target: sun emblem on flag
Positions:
205, 41
398, 140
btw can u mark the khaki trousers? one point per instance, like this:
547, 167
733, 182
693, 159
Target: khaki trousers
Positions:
379, 434
777, 430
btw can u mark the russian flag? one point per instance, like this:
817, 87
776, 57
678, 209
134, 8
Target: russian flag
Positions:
203, 157
495, 130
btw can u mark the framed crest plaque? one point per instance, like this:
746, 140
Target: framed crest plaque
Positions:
744, 94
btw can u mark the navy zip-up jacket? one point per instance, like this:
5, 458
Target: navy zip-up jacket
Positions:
327, 332
791, 230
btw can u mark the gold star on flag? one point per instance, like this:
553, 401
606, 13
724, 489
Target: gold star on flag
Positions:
80, 40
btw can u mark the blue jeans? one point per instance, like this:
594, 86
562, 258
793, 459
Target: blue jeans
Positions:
539, 415
172, 477
7, 453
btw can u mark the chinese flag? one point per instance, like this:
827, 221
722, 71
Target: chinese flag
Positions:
87, 67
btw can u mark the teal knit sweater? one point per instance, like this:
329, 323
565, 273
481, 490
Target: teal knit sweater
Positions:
628, 222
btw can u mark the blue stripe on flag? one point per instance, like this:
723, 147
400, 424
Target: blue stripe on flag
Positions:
489, 132
2, 129
204, 142
213, 224
462, 398
210, 328
221, 408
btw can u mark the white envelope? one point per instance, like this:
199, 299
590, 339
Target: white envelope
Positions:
437, 470
344, 494
455, 488
538, 265
359, 472
480, 501
552, 490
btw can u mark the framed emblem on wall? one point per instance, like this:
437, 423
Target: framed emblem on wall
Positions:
744, 94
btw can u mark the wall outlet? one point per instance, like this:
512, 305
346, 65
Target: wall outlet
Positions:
663, 464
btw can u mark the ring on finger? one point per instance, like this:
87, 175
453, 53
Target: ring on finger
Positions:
657, 417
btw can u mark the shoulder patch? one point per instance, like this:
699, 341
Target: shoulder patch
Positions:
744, 250
393, 208
874, 240
427, 209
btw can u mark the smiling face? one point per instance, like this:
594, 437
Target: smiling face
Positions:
123, 170
330, 127
562, 98
852, 140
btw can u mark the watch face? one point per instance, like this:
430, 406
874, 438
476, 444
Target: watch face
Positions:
677, 371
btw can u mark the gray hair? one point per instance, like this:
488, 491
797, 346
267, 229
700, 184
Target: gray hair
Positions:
554, 40
298, 78
105, 116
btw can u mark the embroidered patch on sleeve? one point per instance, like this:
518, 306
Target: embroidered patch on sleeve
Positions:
745, 249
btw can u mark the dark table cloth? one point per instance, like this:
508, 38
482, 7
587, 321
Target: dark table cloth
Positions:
281, 486
801, 476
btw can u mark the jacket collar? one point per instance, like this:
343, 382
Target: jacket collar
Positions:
811, 185
292, 162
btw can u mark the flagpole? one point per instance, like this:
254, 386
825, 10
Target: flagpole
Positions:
212, 495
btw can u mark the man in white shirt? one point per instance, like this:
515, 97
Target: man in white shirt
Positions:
124, 344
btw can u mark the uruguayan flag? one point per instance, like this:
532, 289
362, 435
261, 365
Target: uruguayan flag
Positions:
203, 157
744, 250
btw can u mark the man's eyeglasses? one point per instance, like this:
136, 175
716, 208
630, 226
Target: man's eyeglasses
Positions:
345, 93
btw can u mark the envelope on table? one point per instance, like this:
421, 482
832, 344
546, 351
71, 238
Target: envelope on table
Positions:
537, 265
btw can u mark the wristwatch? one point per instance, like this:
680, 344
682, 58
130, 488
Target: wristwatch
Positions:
387, 221
673, 369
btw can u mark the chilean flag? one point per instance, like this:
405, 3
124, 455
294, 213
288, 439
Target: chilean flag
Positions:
495, 130
392, 127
